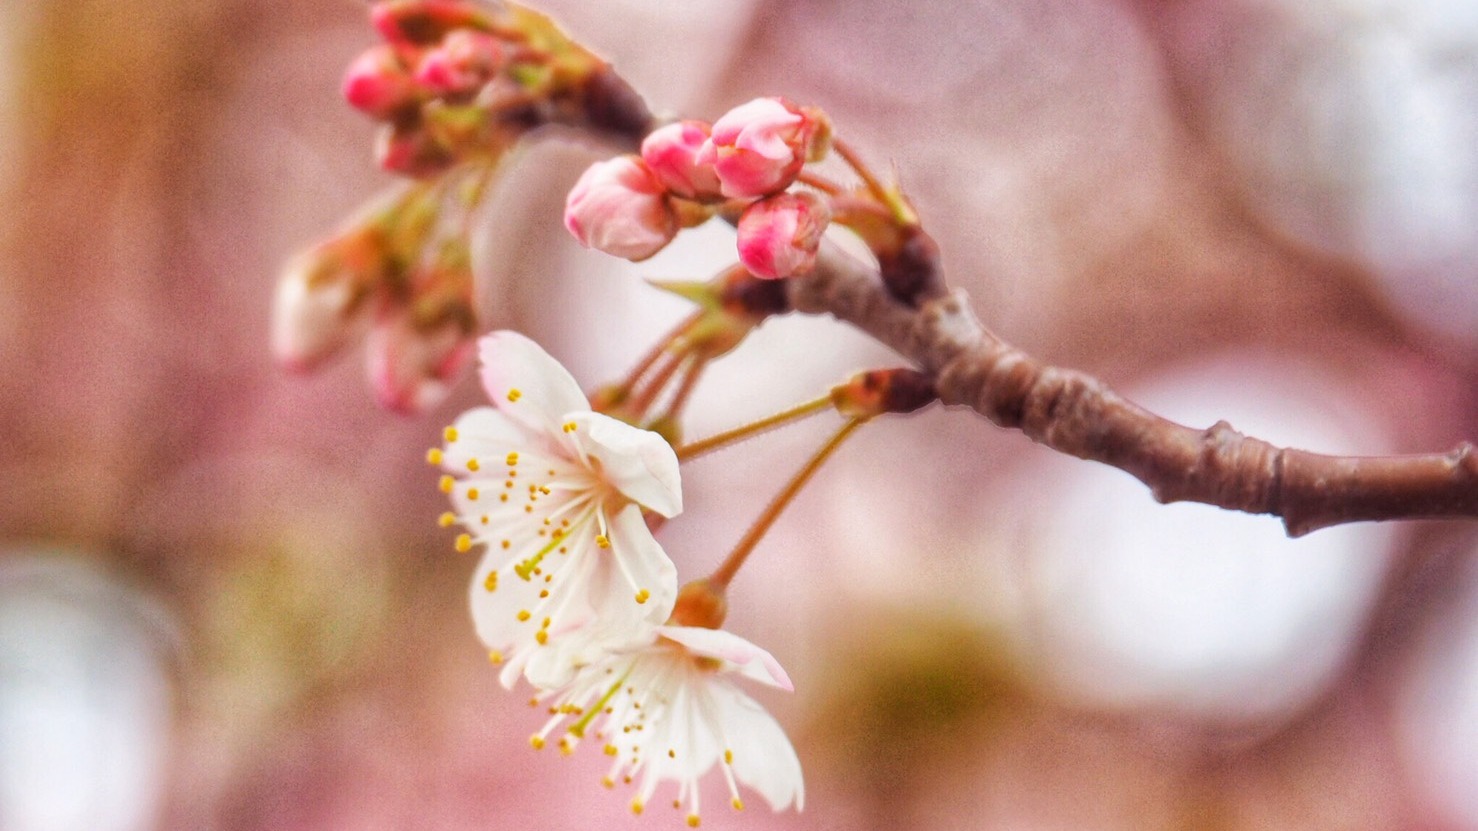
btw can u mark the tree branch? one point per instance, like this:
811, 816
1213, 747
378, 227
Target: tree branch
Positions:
1077, 414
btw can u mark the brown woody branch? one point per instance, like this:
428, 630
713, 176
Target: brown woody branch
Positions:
1079, 415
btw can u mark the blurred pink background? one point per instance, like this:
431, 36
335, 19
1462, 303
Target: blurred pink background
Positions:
225, 603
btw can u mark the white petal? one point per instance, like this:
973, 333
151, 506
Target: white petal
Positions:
639, 463
524, 382
763, 757
744, 657
642, 565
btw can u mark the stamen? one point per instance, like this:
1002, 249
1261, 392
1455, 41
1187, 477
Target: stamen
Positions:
491, 583
512, 459
446, 484
464, 543
450, 434
472, 494
446, 519
514, 394
473, 465
433, 456
643, 596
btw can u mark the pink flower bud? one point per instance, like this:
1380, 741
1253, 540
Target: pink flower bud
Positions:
411, 371
424, 22
620, 208
671, 152
412, 150
779, 235
758, 148
464, 61
378, 84
319, 305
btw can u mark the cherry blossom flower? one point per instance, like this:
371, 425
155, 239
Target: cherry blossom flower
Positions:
618, 206
758, 148
555, 493
779, 235
671, 153
670, 711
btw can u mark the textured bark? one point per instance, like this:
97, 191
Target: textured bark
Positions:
1077, 414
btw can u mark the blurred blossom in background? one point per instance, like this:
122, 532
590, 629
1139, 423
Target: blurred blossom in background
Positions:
225, 603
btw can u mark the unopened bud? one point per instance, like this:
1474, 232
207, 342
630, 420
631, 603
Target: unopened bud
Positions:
758, 148
321, 302
425, 22
881, 391
779, 235
411, 370
671, 152
700, 603
412, 150
619, 207
378, 84
465, 60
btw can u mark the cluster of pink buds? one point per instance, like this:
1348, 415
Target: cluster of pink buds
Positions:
433, 82
388, 275
632, 206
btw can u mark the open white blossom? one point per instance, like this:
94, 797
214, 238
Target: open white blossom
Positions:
669, 710
555, 493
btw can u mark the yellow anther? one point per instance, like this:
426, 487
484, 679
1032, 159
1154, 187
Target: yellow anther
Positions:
506, 544
643, 596
512, 459
671, 754
502, 497
495, 656
693, 820
728, 757
433, 456
737, 803
450, 434
571, 427
545, 624
508, 484
536, 742
446, 484
565, 748
464, 543
472, 465
491, 583
602, 540
446, 519
515, 394
543, 593
542, 637
472, 494
637, 807
523, 615
607, 782
528, 509
611, 750
677, 803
